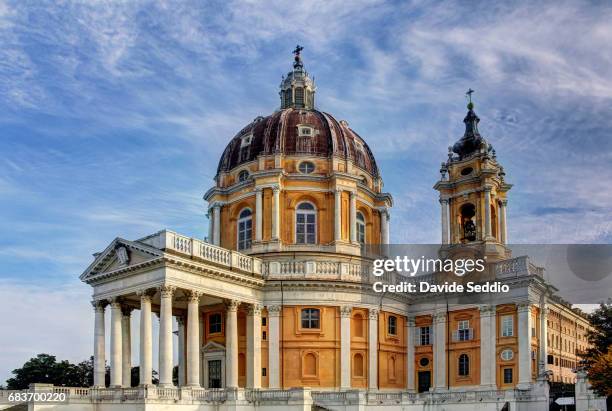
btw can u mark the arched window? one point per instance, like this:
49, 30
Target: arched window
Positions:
357, 325
464, 365
306, 224
243, 175
468, 211
361, 228
245, 229
310, 365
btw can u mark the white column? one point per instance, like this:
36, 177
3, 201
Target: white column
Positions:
276, 213
209, 214
217, 224
338, 214
274, 312
254, 347
524, 345
373, 349
126, 346
543, 362
116, 372
439, 351
231, 345
99, 340
193, 335
181, 351
345, 347
258, 214
146, 339
444, 214
487, 346
165, 336
502, 215
410, 332
353, 216
487, 214
384, 226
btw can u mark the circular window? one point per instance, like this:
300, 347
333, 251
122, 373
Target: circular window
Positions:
466, 171
507, 354
424, 362
306, 167
243, 175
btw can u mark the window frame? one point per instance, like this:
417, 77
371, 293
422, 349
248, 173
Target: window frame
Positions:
503, 327
392, 323
306, 164
426, 336
504, 375
306, 213
504, 351
310, 320
361, 227
243, 175
247, 243
463, 367
210, 323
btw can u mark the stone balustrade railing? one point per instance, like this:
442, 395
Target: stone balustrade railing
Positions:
517, 267
200, 250
324, 270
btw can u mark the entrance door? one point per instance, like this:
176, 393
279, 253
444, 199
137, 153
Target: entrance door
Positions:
214, 374
424, 381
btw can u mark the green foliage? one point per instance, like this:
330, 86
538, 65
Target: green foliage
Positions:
596, 360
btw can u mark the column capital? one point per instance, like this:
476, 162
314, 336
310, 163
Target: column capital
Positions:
193, 296
439, 317
443, 201
373, 313
503, 202
523, 307
346, 311
338, 190
275, 189
274, 310
259, 190
487, 310
410, 321
166, 290
99, 305
352, 194
255, 310
487, 189
232, 305
115, 302
145, 294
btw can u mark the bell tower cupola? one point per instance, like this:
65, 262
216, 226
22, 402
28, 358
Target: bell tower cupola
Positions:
297, 89
473, 194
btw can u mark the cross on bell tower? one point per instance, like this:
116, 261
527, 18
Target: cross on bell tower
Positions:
473, 194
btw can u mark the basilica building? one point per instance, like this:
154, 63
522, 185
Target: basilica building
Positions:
275, 308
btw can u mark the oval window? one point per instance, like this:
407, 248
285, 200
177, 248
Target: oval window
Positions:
424, 362
306, 167
243, 175
507, 354
466, 171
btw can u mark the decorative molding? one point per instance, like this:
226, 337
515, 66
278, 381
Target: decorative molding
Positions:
232, 305
99, 305
373, 313
255, 310
193, 296
346, 311
146, 294
166, 291
274, 310
439, 317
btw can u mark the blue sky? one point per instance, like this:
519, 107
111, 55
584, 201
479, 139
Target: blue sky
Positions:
113, 116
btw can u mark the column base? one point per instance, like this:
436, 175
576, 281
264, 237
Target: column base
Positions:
166, 386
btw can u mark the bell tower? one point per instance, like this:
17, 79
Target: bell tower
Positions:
473, 196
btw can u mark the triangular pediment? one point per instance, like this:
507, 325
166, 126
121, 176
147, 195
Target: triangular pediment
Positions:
118, 255
212, 346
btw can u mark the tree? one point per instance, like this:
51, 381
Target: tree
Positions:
597, 359
45, 368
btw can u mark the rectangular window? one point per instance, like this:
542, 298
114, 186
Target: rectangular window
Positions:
507, 375
464, 333
551, 359
311, 318
214, 324
264, 372
425, 335
392, 325
507, 325
263, 321
264, 336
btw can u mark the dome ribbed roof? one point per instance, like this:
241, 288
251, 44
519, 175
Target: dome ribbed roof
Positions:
279, 134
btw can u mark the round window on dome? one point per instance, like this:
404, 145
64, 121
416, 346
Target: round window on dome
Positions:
507, 354
243, 175
306, 167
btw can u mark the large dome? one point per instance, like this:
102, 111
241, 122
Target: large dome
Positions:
297, 131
